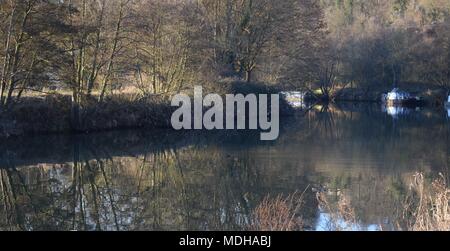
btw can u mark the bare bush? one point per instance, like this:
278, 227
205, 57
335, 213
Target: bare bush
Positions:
278, 214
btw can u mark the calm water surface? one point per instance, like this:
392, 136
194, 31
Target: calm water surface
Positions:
166, 180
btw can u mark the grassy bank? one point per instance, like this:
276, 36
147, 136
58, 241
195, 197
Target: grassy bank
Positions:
54, 114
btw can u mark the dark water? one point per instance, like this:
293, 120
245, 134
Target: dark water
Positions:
165, 180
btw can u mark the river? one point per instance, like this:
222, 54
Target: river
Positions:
168, 180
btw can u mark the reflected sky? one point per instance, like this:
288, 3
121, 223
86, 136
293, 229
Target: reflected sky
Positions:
325, 222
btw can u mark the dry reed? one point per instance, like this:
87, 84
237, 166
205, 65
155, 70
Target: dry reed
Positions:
343, 212
426, 208
278, 214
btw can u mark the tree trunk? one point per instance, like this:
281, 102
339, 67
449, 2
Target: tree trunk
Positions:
16, 56
113, 52
94, 70
248, 76
7, 56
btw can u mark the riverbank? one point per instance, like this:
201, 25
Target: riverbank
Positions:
51, 114
54, 114
432, 96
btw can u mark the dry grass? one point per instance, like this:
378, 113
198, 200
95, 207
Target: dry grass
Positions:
52, 114
343, 211
278, 214
426, 208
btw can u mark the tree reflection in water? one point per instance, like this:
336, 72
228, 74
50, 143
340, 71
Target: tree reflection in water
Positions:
164, 180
